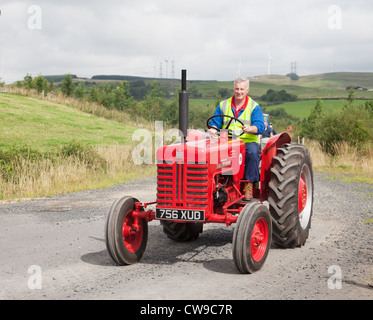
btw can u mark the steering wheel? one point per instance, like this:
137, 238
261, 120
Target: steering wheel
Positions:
229, 123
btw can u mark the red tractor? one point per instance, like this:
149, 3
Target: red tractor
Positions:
200, 181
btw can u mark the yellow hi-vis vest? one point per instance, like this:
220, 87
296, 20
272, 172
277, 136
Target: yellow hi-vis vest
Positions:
245, 117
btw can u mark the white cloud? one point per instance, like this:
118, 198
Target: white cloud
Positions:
209, 38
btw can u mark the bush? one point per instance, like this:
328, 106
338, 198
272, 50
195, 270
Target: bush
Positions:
11, 160
309, 125
68, 87
293, 76
369, 106
278, 96
352, 124
14, 160
83, 153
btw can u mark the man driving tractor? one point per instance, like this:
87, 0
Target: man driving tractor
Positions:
192, 193
244, 108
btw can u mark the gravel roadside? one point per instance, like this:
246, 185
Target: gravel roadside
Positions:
62, 240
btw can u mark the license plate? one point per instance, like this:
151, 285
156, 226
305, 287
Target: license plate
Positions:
180, 214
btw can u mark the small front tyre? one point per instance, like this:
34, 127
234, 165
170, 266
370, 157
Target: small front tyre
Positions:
126, 236
252, 238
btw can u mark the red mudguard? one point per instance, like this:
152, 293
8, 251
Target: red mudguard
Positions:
268, 153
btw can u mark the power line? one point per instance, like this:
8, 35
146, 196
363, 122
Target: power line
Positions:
166, 68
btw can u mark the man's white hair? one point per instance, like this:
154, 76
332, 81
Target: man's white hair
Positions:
240, 80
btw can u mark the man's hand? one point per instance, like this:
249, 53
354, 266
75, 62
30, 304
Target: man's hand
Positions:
250, 129
212, 131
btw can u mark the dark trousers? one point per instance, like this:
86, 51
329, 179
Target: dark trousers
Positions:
252, 160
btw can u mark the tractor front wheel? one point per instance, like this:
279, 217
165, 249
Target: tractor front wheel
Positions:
252, 238
126, 236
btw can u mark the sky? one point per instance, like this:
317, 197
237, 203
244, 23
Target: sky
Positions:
211, 39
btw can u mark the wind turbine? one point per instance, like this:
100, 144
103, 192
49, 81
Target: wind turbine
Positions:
269, 62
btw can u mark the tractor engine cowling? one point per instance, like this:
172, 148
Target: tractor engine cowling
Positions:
187, 173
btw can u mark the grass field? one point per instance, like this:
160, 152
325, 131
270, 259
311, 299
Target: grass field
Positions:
43, 125
101, 149
302, 109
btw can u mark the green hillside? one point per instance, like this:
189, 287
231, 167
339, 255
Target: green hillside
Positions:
302, 109
311, 87
44, 125
327, 85
49, 148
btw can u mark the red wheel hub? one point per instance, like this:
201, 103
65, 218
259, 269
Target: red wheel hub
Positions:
259, 240
302, 193
132, 232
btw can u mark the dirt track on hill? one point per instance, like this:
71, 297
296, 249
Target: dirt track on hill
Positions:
60, 241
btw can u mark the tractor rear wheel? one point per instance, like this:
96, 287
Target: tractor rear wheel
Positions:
291, 195
182, 232
126, 236
252, 238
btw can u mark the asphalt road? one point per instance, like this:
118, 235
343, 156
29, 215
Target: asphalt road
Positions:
54, 248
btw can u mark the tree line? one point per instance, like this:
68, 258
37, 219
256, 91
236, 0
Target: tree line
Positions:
277, 97
149, 100
145, 100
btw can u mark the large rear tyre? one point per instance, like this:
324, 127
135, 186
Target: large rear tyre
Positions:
291, 195
182, 232
252, 238
126, 236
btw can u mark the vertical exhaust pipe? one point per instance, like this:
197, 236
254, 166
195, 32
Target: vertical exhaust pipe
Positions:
183, 107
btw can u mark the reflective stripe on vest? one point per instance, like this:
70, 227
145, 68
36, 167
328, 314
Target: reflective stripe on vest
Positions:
245, 117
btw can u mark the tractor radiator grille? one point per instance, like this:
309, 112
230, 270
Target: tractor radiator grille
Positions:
182, 185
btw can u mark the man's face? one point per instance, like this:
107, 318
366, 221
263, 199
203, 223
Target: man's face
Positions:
240, 90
